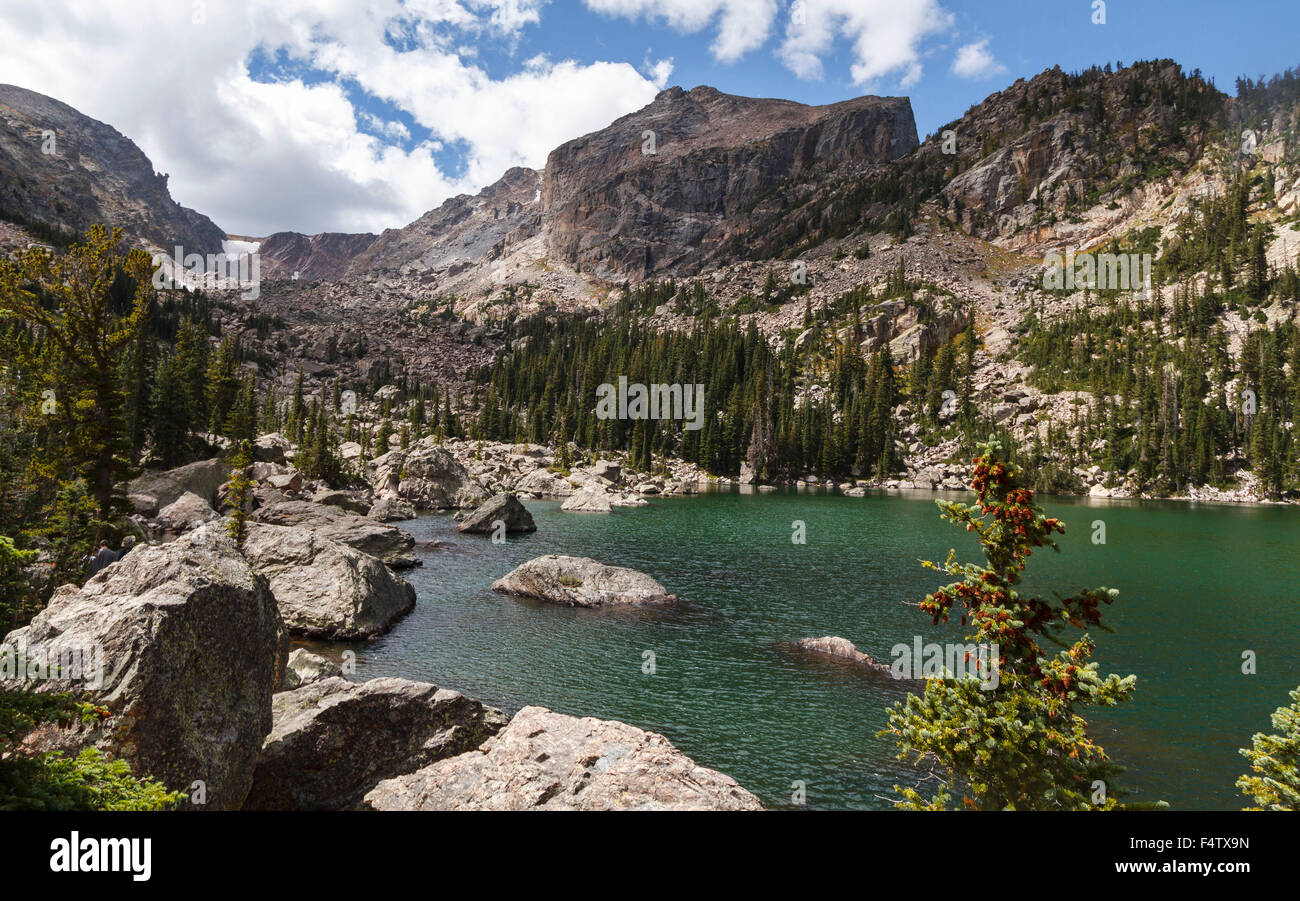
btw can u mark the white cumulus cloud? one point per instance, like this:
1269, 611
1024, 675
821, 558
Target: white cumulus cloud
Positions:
742, 25
260, 156
885, 35
975, 61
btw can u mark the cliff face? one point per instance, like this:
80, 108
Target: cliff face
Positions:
656, 192
465, 230
1048, 147
94, 174
323, 257
660, 190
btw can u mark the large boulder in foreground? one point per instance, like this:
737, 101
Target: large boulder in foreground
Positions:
427, 476
388, 543
590, 498
190, 647
504, 508
324, 588
334, 740
549, 761
153, 491
582, 582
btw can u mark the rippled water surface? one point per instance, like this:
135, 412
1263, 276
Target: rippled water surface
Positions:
1199, 585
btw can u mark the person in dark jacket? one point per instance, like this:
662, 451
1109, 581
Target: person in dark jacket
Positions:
104, 557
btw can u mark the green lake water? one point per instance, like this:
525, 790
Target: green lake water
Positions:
1199, 585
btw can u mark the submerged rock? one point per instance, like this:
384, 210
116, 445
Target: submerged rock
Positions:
582, 582
324, 588
504, 508
189, 646
334, 740
548, 761
389, 543
842, 648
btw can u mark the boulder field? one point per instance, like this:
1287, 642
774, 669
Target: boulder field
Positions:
187, 651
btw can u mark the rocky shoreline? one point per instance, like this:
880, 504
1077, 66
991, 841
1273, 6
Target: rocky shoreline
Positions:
192, 633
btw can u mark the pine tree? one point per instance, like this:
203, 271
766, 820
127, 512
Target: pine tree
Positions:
1024, 743
1274, 779
69, 298
239, 491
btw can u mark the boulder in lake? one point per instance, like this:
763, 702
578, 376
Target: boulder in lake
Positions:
325, 588
334, 740
504, 508
548, 761
590, 498
582, 582
184, 645
842, 649
386, 542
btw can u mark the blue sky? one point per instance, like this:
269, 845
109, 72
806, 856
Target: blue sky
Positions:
338, 115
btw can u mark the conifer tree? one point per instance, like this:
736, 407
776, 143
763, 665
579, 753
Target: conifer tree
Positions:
69, 297
1274, 778
1023, 744
240, 494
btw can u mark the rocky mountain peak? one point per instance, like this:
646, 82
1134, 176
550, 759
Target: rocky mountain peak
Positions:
660, 189
61, 170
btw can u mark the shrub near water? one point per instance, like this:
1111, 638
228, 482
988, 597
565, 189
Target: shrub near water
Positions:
1025, 744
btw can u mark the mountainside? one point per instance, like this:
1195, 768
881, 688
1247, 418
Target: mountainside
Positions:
61, 171
660, 190
316, 257
859, 307
656, 192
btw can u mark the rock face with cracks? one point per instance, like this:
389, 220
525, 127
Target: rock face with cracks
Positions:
548, 761
183, 644
324, 588
389, 543
333, 740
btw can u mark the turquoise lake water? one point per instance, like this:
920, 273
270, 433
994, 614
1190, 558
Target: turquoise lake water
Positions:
1199, 585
